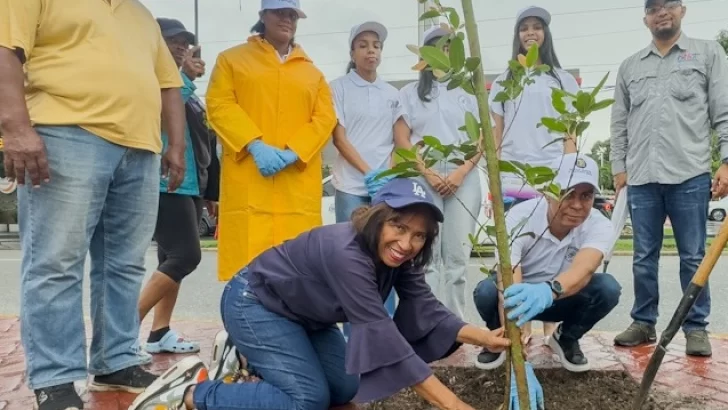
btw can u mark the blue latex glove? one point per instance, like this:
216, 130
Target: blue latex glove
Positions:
373, 184
527, 300
288, 156
266, 158
535, 391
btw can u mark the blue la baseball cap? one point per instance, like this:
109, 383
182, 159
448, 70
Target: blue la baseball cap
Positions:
402, 192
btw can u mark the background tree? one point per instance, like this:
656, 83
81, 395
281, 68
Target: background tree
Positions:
600, 153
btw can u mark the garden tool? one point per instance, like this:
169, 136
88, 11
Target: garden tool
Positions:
688, 300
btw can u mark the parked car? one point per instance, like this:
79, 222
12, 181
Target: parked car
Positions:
208, 224
717, 209
604, 204
328, 208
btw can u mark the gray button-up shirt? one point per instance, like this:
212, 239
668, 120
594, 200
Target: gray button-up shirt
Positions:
664, 110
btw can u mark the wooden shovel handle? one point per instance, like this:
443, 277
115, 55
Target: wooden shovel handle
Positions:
711, 257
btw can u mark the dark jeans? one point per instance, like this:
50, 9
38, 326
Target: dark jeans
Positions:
686, 205
301, 369
579, 312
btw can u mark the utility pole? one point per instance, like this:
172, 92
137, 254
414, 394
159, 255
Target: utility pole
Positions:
425, 24
197, 21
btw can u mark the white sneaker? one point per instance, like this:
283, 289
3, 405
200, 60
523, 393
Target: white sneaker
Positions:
225, 363
169, 389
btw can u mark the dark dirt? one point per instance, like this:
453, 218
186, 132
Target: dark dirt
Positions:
563, 391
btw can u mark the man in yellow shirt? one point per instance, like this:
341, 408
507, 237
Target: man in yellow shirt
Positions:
86, 151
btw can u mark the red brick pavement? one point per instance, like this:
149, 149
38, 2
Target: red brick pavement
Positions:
690, 376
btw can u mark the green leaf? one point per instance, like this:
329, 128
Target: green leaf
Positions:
557, 100
390, 172
583, 102
435, 57
454, 83
468, 86
539, 171
490, 230
456, 161
454, 18
472, 63
515, 66
507, 166
442, 41
602, 104
472, 126
457, 54
501, 97
429, 163
429, 14
405, 154
581, 128
532, 56
409, 174
554, 189
599, 86
431, 141
484, 269
554, 141
553, 124
472, 239
542, 68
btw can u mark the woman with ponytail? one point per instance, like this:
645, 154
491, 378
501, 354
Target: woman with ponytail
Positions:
517, 136
429, 108
366, 108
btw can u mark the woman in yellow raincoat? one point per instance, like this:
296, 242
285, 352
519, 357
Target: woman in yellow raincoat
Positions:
273, 111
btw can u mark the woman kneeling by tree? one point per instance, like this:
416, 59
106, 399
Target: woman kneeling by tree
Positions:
281, 313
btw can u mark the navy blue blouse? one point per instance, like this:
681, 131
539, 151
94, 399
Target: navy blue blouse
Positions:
326, 276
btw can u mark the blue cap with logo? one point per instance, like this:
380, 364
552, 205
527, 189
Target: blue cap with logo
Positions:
402, 192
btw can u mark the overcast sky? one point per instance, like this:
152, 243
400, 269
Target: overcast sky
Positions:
591, 36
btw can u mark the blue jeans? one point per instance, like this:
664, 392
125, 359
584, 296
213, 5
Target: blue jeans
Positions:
102, 199
301, 369
344, 205
579, 313
686, 205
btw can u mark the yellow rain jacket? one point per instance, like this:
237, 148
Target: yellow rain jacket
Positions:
288, 105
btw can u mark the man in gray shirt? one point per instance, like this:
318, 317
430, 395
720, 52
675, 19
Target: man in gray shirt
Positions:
669, 97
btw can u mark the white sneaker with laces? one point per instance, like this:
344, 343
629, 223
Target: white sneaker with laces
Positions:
225, 363
169, 389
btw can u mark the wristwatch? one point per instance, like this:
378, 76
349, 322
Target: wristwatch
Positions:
555, 286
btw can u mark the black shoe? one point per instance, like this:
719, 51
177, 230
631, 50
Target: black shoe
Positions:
569, 352
132, 380
63, 397
488, 360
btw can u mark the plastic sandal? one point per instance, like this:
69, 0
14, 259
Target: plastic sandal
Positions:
172, 343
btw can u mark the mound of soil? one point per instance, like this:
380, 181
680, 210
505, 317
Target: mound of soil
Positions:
563, 391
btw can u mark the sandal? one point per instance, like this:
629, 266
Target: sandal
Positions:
172, 343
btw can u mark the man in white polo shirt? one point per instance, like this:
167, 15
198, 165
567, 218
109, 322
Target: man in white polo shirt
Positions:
555, 256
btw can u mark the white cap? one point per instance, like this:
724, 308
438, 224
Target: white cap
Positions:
377, 28
433, 32
283, 4
572, 170
534, 11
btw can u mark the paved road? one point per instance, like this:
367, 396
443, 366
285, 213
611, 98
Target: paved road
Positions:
199, 297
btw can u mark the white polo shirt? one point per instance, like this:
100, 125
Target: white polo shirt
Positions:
548, 256
368, 112
524, 141
441, 117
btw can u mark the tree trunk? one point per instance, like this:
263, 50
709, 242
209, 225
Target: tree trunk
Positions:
502, 241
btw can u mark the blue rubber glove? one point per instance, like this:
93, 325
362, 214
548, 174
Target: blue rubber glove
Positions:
527, 300
288, 156
535, 391
373, 184
266, 158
